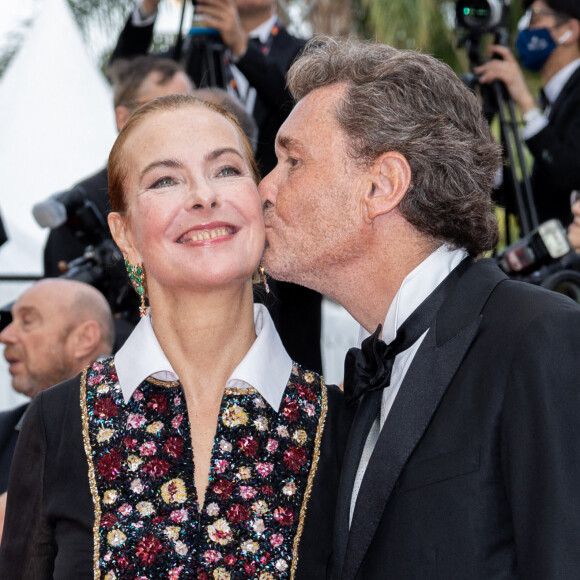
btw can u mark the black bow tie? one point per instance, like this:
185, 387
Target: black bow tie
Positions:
369, 368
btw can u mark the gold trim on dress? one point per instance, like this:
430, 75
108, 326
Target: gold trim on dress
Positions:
313, 468
160, 383
92, 478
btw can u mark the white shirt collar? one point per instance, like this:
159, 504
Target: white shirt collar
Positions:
262, 31
266, 366
416, 286
555, 85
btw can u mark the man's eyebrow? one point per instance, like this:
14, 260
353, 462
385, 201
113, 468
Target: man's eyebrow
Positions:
161, 163
286, 142
24, 310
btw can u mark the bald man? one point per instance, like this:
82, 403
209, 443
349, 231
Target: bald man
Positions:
58, 327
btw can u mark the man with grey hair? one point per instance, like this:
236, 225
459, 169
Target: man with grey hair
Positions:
462, 460
58, 327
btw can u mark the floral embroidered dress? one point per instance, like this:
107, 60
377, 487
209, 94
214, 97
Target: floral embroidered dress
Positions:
102, 482
147, 521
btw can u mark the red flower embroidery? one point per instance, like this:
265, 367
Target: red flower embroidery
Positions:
223, 488
156, 467
148, 548
250, 567
238, 513
157, 403
295, 458
230, 560
306, 392
108, 520
284, 516
110, 465
174, 447
268, 490
291, 411
249, 446
105, 408
130, 442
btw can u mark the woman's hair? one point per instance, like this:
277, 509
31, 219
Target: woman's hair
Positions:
117, 166
412, 103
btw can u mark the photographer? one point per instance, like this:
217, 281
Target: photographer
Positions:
549, 43
261, 51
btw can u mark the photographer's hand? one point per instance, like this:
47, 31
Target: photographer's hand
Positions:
223, 16
506, 69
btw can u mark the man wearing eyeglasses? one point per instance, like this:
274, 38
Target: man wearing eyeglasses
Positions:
548, 42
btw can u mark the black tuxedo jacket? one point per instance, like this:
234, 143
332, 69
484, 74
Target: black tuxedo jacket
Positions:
475, 473
8, 437
556, 151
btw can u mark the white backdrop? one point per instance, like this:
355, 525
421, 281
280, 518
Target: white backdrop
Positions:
56, 127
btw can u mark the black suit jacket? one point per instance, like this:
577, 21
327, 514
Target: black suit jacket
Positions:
8, 437
475, 473
556, 151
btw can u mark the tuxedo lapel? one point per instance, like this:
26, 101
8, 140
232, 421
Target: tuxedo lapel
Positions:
433, 368
366, 414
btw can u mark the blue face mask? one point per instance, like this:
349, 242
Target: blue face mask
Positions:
534, 45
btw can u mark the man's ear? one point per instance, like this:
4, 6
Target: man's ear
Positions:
122, 115
391, 178
84, 339
118, 224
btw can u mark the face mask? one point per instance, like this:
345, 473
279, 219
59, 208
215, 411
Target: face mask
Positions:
534, 45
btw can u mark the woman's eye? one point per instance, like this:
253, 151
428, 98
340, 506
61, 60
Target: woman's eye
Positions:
228, 171
163, 182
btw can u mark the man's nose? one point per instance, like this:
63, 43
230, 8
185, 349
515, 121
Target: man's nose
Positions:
268, 190
7, 335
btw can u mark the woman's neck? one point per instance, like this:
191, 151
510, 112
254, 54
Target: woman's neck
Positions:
204, 335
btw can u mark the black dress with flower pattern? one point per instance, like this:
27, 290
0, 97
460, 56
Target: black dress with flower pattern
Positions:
105, 489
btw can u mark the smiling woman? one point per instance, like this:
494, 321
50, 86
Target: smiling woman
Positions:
200, 450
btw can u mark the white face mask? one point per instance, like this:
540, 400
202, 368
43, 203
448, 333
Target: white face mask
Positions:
565, 37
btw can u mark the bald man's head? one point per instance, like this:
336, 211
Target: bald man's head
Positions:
58, 327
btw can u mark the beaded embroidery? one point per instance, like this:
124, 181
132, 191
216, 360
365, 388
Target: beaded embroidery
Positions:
147, 521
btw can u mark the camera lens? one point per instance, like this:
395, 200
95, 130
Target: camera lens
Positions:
480, 15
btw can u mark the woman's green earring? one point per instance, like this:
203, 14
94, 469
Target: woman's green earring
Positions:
137, 277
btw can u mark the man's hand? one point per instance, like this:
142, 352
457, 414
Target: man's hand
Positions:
506, 69
223, 16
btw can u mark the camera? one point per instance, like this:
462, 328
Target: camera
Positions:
544, 257
482, 16
101, 264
